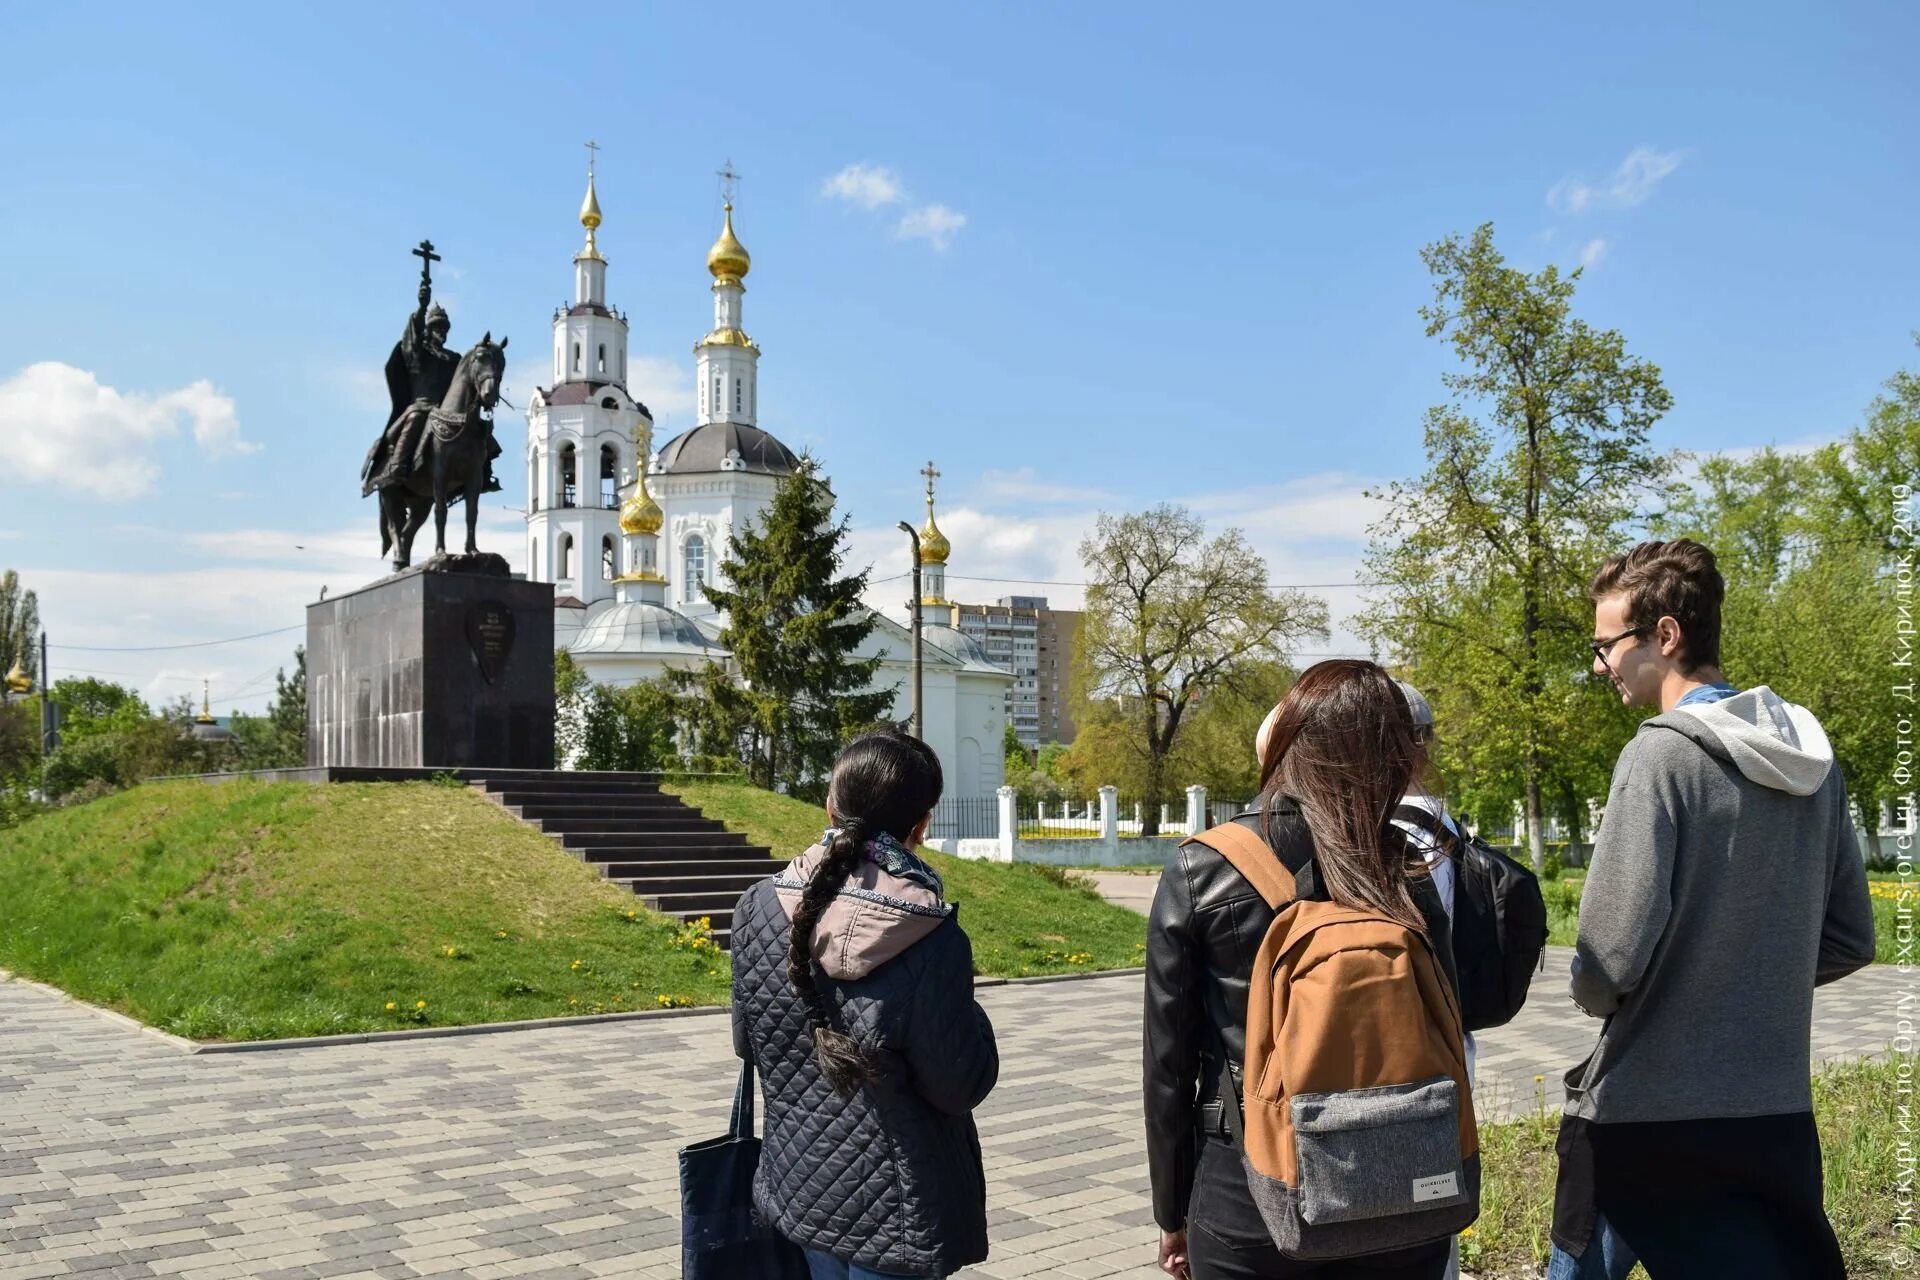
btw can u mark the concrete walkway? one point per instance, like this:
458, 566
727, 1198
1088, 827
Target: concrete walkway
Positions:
552, 1153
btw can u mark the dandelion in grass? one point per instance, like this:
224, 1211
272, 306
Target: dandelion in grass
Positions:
391, 1006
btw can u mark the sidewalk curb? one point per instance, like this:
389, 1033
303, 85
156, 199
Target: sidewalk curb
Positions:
199, 1047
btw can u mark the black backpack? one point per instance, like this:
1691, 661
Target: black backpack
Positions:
1499, 924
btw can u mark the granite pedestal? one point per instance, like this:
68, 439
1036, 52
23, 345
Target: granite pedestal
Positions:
429, 669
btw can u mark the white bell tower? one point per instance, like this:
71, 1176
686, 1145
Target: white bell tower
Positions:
581, 432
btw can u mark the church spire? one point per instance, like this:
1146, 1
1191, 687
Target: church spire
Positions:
727, 359
934, 550
590, 207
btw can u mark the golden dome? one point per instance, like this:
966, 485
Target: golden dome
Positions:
726, 338
590, 218
18, 681
640, 514
728, 259
934, 547
590, 207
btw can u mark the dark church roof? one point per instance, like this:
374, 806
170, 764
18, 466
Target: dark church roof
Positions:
707, 448
584, 393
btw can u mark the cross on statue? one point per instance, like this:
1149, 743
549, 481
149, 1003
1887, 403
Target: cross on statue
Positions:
427, 258
931, 476
728, 180
593, 149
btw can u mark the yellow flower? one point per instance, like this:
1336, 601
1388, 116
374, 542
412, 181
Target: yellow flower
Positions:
391, 1006
501, 934
1466, 1231
576, 964
419, 1004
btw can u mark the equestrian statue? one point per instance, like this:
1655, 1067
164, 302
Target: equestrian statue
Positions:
438, 445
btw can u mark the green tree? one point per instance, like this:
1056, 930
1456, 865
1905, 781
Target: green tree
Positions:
1171, 616
793, 691
1018, 764
1536, 465
1810, 589
19, 627
278, 738
1217, 751
630, 727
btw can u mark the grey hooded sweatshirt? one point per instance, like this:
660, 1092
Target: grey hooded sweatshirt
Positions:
1725, 886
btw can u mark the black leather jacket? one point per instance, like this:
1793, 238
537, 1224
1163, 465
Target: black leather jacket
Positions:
1205, 927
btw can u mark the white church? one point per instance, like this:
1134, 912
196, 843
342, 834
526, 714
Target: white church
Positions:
629, 536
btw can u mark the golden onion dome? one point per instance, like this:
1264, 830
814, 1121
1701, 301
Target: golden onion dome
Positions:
934, 547
640, 514
18, 681
728, 259
590, 207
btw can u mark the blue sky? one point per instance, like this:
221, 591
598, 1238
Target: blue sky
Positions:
1188, 266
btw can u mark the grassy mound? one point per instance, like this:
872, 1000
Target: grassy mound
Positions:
1024, 920
250, 911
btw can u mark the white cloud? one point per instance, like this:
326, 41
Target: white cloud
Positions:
1592, 252
664, 385
1629, 184
868, 186
52, 415
934, 223
875, 186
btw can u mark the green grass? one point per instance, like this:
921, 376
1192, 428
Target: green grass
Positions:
1854, 1106
250, 911
1024, 920
1563, 913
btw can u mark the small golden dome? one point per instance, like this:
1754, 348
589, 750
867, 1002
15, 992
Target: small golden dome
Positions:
18, 681
640, 514
934, 547
590, 207
728, 259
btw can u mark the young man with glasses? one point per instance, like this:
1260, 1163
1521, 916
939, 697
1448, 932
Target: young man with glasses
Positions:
1725, 886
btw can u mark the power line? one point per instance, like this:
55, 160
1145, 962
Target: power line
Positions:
168, 648
1061, 582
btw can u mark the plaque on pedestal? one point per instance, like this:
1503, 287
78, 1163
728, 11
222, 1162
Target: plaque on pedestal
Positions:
432, 669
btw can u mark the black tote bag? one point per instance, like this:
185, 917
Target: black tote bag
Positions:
719, 1238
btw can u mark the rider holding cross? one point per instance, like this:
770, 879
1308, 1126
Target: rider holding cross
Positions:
420, 369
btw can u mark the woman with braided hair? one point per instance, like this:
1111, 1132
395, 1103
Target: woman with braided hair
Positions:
853, 996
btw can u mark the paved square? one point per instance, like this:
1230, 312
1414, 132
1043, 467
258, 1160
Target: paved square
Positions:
552, 1153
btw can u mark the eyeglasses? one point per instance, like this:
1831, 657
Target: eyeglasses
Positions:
1600, 647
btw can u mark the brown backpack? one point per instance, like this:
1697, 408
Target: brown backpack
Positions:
1358, 1133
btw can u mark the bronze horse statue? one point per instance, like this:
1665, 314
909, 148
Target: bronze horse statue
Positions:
430, 456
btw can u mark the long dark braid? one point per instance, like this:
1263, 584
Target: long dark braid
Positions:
883, 782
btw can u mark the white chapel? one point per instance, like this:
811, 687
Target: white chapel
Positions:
629, 536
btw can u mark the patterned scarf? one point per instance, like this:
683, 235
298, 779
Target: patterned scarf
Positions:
895, 859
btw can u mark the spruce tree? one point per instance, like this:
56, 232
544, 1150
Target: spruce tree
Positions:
795, 692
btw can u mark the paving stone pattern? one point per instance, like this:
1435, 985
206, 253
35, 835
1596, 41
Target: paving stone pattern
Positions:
552, 1153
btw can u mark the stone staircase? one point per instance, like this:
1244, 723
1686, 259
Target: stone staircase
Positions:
674, 858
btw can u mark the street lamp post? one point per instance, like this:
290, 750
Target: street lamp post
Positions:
46, 701
913, 615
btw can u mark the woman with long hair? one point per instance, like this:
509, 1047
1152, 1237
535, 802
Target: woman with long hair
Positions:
853, 997
1335, 760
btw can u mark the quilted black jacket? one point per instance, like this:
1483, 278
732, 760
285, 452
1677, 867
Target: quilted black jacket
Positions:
1206, 925
890, 1178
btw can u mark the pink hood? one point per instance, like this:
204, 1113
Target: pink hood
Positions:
875, 916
